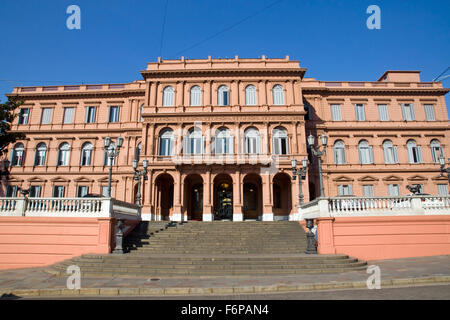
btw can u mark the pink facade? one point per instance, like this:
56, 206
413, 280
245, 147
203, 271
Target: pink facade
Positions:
221, 133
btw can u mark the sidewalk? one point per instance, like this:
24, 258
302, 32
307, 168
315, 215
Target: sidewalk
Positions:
410, 271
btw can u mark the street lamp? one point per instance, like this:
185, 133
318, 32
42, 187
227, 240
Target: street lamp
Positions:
318, 153
443, 168
137, 176
301, 173
112, 151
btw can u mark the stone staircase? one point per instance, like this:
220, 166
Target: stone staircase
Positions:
220, 248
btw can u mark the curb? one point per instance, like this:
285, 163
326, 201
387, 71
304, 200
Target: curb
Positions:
180, 291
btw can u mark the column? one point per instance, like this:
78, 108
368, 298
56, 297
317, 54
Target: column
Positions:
177, 209
294, 139
267, 198
237, 197
207, 206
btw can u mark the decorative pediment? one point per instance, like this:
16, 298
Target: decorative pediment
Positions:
440, 177
83, 179
392, 178
36, 179
14, 179
343, 179
105, 180
59, 179
417, 178
368, 178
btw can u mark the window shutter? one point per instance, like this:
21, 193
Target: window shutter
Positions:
370, 155
395, 151
360, 156
202, 148
403, 112
419, 154
340, 191
411, 108
231, 145
410, 154
68, 115
350, 189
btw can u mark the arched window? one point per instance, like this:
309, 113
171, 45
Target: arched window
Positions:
390, 152
166, 142
196, 96
251, 143
250, 95
278, 95
365, 152
168, 96
194, 142
339, 152
414, 152
17, 155
63, 154
223, 96
223, 142
86, 154
280, 141
436, 150
39, 156
141, 110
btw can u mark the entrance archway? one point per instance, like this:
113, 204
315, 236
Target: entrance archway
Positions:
193, 196
252, 196
282, 194
164, 196
223, 197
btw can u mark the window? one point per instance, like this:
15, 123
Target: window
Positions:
107, 161
408, 112
359, 110
113, 114
86, 154
278, 95
82, 191
414, 152
383, 112
365, 152
339, 152
141, 111
251, 143
336, 112
166, 142
429, 112
105, 191
58, 191
17, 155
250, 95
39, 157
345, 190
223, 142
90, 114
196, 96
436, 150
23, 116
35, 191
63, 154
368, 190
442, 189
223, 96
68, 115
394, 190
390, 152
194, 142
11, 191
168, 96
46, 116
280, 141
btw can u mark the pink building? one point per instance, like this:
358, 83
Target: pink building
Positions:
220, 134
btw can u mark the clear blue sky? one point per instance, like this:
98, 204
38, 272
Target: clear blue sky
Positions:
118, 37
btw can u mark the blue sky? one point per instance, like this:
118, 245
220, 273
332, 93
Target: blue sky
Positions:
118, 37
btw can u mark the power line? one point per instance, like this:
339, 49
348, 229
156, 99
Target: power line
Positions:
441, 74
163, 27
229, 27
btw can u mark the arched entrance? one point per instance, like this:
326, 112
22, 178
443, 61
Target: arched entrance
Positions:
252, 196
164, 196
223, 197
193, 197
282, 195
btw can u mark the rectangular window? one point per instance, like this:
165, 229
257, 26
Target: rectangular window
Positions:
345, 190
336, 112
408, 112
23, 116
11, 191
58, 191
383, 112
82, 191
359, 110
368, 190
107, 160
46, 116
68, 115
394, 190
442, 189
35, 191
90, 114
113, 114
281, 145
105, 191
429, 112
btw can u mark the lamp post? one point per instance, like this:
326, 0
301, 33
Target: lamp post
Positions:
137, 176
112, 151
443, 168
319, 153
301, 173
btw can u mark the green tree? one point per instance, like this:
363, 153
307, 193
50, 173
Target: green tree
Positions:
7, 116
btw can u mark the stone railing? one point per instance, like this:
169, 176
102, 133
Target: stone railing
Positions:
375, 206
69, 208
